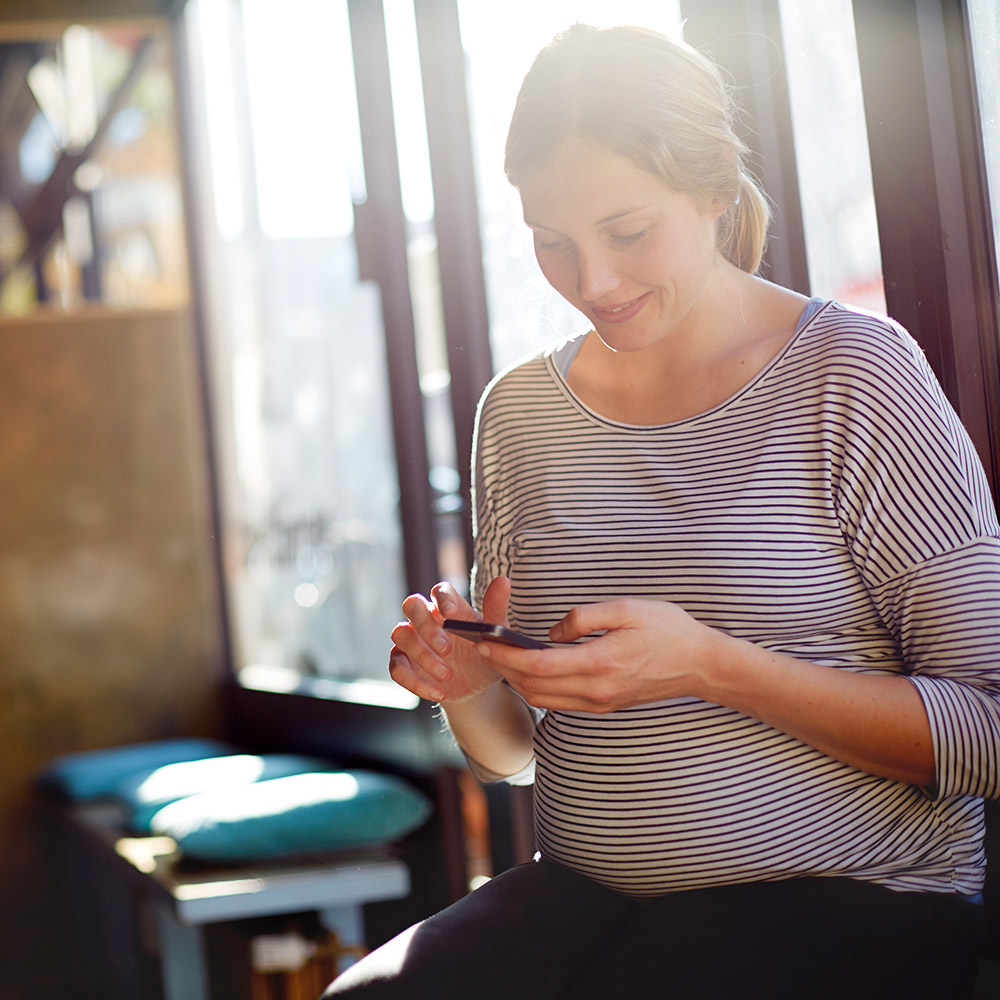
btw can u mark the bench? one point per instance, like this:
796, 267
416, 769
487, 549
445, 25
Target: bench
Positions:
125, 887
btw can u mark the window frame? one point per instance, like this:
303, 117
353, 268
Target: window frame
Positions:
939, 263
955, 316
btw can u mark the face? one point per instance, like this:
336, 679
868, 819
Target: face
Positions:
632, 254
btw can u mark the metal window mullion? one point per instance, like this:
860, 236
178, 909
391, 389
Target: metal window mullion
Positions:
456, 222
380, 233
744, 37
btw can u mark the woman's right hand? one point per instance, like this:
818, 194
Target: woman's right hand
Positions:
432, 663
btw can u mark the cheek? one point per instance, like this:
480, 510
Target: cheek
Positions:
558, 272
673, 260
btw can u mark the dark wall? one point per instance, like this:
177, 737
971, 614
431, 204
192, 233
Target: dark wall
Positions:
109, 630
74, 11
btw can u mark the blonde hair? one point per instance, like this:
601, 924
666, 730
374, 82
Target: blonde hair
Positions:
655, 100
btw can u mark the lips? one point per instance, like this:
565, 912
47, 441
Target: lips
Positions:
620, 313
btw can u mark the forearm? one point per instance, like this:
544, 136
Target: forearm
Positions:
876, 723
495, 728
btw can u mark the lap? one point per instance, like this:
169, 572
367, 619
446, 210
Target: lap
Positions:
525, 933
822, 938
541, 931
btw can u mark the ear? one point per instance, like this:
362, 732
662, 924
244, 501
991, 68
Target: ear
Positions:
715, 207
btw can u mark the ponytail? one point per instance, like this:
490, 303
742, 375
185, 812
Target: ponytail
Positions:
742, 228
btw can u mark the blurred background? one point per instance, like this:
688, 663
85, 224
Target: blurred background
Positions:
258, 260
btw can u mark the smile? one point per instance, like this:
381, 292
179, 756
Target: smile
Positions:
617, 314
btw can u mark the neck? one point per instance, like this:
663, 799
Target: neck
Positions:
724, 342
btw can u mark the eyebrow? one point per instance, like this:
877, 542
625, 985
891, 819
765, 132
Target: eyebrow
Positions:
600, 222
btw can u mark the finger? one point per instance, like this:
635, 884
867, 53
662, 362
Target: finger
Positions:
424, 649
563, 691
584, 673
551, 662
585, 619
419, 610
534, 670
402, 672
496, 600
451, 604
425, 618
566, 703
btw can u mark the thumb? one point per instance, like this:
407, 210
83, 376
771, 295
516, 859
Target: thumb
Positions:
495, 601
586, 619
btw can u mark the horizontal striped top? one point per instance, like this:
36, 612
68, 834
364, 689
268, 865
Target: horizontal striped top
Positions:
832, 509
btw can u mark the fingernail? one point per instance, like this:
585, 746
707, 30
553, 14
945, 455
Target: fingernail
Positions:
484, 650
446, 603
441, 643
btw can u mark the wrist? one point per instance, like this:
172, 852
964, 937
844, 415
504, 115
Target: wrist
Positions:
722, 671
473, 700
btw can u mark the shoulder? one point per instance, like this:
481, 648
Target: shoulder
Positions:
530, 380
866, 353
858, 334
880, 391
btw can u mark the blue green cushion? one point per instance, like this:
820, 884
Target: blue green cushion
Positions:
149, 790
94, 774
297, 814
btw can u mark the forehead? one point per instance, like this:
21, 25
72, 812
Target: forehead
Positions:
584, 183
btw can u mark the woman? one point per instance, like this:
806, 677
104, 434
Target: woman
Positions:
764, 539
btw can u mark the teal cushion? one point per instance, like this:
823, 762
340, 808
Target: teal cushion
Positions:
298, 814
149, 790
94, 774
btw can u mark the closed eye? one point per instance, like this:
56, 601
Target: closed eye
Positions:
629, 239
548, 244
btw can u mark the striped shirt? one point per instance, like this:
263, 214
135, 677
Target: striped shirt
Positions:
832, 509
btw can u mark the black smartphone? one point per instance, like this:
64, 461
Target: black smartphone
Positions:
478, 631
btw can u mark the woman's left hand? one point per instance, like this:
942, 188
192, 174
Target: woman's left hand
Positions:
650, 650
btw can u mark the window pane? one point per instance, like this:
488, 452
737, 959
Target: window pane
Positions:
501, 40
831, 150
109, 230
984, 23
308, 486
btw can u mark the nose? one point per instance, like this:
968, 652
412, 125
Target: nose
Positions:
595, 275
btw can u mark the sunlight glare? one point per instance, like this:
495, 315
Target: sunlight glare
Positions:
302, 110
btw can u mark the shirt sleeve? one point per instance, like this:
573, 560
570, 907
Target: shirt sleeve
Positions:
526, 776
947, 615
490, 557
917, 512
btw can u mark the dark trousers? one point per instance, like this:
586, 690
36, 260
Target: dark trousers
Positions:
542, 931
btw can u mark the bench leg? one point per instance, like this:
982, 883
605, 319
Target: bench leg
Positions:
347, 924
182, 957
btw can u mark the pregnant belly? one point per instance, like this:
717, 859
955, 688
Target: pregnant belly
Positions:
676, 796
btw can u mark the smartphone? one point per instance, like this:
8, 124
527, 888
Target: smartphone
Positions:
478, 631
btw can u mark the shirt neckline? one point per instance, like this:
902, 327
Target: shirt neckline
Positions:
561, 357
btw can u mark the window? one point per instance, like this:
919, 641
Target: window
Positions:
309, 496
831, 151
984, 26
501, 42
90, 202
312, 532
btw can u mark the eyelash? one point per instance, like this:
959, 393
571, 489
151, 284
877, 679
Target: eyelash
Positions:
630, 239
624, 240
